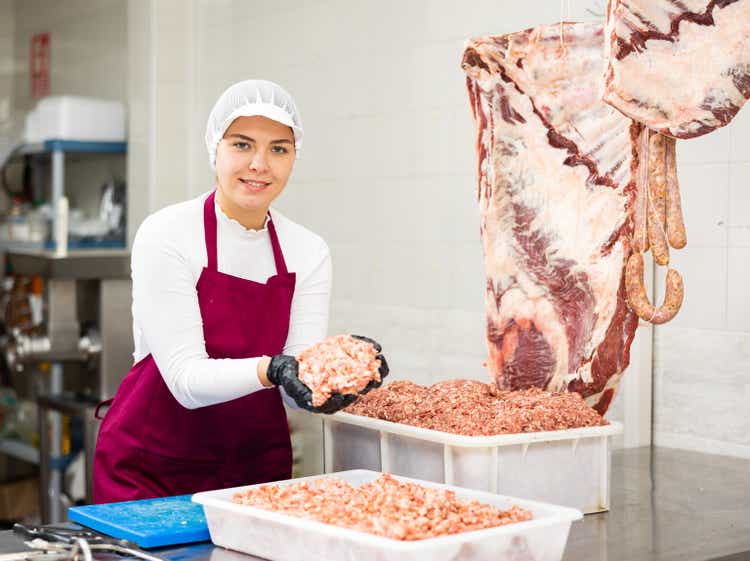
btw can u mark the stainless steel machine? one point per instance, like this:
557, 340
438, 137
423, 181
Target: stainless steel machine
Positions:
87, 332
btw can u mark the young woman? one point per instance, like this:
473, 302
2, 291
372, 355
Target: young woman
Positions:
225, 294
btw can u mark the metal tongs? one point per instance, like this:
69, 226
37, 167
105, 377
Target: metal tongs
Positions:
53, 544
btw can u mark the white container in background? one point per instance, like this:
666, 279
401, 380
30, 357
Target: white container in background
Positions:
272, 535
61, 228
568, 467
76, 118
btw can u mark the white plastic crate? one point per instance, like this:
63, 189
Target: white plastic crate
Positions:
69, 117
281, 537
568, 467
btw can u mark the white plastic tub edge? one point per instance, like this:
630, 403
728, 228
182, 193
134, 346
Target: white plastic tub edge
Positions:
394, 441
281, 537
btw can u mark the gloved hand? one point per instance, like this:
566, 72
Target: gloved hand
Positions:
283, 370
383, 364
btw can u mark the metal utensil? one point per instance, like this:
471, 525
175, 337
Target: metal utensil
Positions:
76, 542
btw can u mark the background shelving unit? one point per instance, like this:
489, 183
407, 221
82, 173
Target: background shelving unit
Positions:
90, 280
57, 150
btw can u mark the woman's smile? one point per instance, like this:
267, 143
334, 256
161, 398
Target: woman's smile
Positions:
255, 185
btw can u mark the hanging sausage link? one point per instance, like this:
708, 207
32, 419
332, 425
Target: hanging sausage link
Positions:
638, 300
640, 235
657, 224
675, 224
657, 189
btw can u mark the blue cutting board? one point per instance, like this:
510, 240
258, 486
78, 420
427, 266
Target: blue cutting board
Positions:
149, 522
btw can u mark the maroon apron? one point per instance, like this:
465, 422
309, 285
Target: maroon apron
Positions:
151, 446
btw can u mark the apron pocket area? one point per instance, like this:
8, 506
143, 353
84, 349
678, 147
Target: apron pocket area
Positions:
179, 476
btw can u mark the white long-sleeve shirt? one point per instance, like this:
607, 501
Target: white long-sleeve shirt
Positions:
169, 253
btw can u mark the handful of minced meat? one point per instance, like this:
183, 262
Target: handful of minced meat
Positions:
340, 364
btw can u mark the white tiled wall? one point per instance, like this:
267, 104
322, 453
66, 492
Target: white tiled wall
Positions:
739, 194
88, 47
386, 175
702, 373
702, 388
163, 132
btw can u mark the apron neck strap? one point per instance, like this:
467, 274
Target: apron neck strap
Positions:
210, 228
278, 256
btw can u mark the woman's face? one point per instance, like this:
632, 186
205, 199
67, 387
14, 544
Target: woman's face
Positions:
253, 162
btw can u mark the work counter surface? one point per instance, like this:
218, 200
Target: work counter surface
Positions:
667, 505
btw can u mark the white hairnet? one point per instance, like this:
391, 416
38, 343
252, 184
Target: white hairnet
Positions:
246, 99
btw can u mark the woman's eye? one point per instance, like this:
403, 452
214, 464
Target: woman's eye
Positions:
279, 150
241, 145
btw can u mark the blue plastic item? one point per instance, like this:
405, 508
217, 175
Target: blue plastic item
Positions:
84, 146
149, 523
56, 145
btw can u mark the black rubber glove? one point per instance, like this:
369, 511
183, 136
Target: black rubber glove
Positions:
283, 370
383, 364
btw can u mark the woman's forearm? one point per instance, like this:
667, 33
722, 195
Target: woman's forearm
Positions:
263, 371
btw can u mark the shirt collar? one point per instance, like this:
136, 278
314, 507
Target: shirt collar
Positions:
235, 226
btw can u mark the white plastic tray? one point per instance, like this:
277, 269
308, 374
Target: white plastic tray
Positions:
281, 537
69, 117
567, 467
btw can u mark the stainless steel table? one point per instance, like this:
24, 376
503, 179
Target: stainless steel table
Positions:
667, 505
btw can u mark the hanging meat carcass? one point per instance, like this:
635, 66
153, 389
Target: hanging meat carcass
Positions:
561, 175
681, 68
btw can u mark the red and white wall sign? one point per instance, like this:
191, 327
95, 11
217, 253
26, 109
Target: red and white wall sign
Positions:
39, 65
